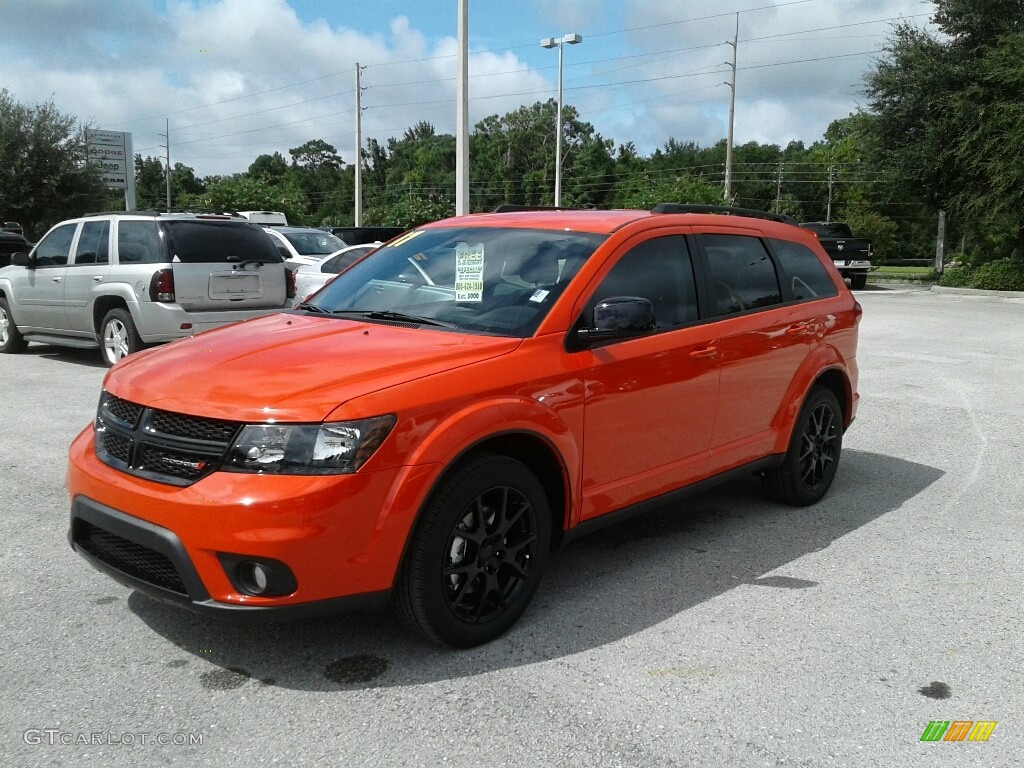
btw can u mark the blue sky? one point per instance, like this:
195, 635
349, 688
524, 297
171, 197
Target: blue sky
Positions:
239, 78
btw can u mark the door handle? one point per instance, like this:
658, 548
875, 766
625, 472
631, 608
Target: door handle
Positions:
55, 279
797, 330
97, 278
699, 354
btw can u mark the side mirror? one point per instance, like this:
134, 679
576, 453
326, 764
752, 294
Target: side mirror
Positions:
285, 253
23, 259
620, 317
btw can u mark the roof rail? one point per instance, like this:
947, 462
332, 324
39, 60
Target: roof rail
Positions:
153, 213
516, 208
725, 209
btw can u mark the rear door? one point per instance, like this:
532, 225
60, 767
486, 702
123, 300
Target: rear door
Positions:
89, 268
224, 265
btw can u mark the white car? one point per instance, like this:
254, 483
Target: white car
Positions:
304, 245
310, 278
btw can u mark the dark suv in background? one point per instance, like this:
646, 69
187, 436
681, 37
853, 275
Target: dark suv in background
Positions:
119, 281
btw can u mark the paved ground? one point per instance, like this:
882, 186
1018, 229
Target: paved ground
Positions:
729, 631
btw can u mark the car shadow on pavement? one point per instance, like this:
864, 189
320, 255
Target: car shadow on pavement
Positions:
89, 358
601, 588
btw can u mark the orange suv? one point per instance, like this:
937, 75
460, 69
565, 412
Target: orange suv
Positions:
431, 424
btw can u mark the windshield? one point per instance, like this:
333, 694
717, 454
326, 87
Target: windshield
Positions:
314, 242
483, 279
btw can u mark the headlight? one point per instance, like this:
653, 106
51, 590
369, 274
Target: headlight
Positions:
308, 449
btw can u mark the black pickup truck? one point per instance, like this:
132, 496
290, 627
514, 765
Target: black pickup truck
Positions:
851, 255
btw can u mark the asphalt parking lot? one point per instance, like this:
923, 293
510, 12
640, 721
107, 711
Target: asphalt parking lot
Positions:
725, 631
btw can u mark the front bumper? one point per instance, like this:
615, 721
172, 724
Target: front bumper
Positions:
341, 536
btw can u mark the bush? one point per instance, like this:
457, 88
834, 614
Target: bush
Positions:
956, 277
1000, 275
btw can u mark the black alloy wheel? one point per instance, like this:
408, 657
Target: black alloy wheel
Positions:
477, 554
810, 464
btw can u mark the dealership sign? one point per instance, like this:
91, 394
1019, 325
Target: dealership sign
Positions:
112, 152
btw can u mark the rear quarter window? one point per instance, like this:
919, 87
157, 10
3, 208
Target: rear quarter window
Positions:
138, 242
203, 242
805, 274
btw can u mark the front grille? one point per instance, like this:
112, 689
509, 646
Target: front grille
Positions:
172, 448
122, 410
117, 446
129, 557
191, 427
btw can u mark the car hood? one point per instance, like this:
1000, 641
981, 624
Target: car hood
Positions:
290, 367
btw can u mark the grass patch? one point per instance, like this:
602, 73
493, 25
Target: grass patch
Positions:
884, 270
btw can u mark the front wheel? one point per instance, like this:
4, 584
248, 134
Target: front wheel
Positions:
118, 337
810, 464
477, 554
11, 340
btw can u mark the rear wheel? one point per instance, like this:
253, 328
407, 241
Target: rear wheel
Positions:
810, 464
858, 281
11, 340
118, 337
477, 554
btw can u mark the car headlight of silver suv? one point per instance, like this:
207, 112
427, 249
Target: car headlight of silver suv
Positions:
308, 449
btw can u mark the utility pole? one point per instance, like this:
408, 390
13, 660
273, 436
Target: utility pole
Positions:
778, 192
358, 217
732, 114
462, 114
167, 173
831, 182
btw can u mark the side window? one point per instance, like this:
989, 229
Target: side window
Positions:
660, 271
741, 274
805, 274
53, 249
93, 243
138, 243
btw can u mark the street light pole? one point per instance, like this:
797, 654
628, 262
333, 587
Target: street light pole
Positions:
551, 42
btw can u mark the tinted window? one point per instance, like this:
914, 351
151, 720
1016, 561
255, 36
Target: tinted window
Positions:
93, 243
806, 276
660, 271
741, 274
53, 249
138, 242
834, 229
314, 242
197, 242
336, 264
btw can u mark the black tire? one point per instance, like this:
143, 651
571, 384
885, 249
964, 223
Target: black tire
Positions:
118, 337
858, 281
812, 459
11, 340
477, 554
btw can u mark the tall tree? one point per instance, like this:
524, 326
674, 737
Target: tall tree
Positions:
947, 114
44, 177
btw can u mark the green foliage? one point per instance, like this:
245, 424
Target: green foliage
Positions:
410, 211
242, 193
866, 222
998, 275
43, 174
643, 193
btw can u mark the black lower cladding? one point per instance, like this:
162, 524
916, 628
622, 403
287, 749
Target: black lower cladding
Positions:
153, 560
128, 557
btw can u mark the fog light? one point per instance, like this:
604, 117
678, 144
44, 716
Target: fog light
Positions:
263, 577
254, 577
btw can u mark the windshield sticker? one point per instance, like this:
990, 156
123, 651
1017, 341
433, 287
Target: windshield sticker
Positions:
539, 295
469, 272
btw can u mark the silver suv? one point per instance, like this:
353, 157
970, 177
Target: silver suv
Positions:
119, 281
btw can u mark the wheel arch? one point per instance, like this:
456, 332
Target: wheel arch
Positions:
102, 305
825, 369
